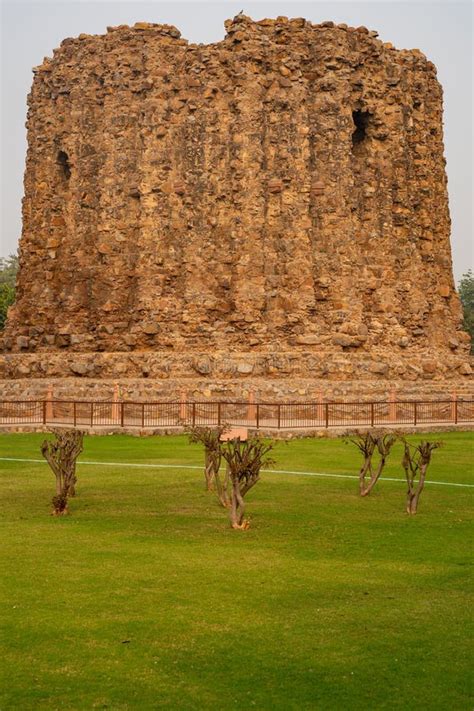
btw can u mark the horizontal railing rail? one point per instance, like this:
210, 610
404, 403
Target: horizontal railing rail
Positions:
256, 415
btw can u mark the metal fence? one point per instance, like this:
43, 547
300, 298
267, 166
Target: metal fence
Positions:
290, 415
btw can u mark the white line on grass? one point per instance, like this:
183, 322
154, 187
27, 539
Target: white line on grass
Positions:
195, 466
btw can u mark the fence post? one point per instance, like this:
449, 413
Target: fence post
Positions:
182, 405
115, 406
326, 415
319, 409
44, 412
372, 414
454, 400
121, 413
251, 406
218, 414
258, 416
392, 406
92, 414
414, 413
279, 415
143, 415
49, 403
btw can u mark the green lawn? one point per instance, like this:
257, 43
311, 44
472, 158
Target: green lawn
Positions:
144, 598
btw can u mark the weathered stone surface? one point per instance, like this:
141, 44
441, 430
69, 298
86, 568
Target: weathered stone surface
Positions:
203, 366
22, 342
284, 187
80, 367
245, 368
346, 341
268, 389
308, 339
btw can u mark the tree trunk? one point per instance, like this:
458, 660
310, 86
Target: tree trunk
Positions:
226, 486
59, 505
416, 495
208, 472
373, 478
237, 509
72, 485
222, 490
362, 474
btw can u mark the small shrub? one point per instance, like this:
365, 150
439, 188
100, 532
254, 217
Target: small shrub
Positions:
368, 443
244, 462
61, 455
416, 460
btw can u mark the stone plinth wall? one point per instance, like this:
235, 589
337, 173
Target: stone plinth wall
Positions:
221, 366
271, 207
196, 389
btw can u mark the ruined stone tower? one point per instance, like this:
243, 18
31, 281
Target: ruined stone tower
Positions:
269, 208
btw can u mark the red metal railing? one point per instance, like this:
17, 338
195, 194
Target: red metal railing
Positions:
262, 415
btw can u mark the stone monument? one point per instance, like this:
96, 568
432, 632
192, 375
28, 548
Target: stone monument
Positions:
266, 213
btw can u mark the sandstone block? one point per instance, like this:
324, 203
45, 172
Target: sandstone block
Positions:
80, 368
202, 366
429, 366
63, 340
308, 339
346, 341
245, 368
22, 342
379, 368
151, 328
275, 185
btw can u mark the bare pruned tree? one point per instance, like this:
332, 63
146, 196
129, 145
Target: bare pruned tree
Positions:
244, 460
210, 438
61, 455
416, 460
368, 443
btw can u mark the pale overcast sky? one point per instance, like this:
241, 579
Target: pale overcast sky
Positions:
30, 30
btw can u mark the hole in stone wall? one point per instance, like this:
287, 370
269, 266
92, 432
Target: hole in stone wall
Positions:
63, 161
361, 121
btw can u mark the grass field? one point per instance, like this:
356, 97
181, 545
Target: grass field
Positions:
144, 598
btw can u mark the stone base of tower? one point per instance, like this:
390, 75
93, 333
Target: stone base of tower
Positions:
274, 377
219, 365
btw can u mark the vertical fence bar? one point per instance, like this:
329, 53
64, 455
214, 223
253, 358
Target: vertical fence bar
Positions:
218, 414
372, 414
456, 411
143, 414
415, 413
44, 412
326, 414
194, 414
258, 416
92, 414
121, 414
74, 410
279, 415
